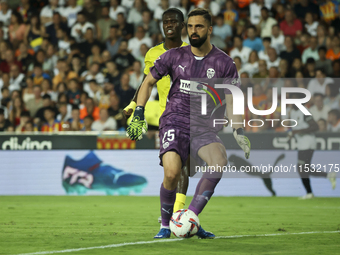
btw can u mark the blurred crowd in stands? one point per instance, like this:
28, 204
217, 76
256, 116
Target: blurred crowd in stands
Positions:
75, 64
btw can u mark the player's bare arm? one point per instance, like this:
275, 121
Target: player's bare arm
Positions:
128, 110
145, 90
138, 125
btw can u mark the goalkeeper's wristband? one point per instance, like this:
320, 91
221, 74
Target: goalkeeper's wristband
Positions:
239, 131
139, 112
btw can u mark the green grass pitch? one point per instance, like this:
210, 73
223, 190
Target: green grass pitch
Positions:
30, 224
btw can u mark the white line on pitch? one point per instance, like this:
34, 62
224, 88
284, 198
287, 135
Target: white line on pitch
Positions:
173, 240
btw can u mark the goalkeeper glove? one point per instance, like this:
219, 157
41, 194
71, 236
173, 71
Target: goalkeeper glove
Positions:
242, 141
138, 125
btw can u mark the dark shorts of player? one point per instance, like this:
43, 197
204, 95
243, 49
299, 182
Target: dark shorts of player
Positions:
174, 139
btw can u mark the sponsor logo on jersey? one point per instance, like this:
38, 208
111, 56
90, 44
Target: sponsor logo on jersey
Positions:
191, 87
182, 67
210, 73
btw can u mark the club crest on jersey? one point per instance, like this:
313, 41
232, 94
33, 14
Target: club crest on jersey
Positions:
210, 73
157, 59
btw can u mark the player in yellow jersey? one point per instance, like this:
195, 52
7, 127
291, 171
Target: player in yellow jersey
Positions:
173, 23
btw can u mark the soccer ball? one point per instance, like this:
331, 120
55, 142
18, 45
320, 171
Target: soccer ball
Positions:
184, 223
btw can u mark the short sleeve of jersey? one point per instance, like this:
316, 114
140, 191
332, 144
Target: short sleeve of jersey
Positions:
148, 63
231, 76
162, 65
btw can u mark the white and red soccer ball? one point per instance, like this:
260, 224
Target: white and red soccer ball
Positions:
184, 223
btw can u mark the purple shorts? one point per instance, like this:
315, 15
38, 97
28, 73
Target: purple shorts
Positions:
174, 139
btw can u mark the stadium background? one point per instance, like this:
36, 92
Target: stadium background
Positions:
71, 58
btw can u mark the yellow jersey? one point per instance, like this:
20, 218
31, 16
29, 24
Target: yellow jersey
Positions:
163, 85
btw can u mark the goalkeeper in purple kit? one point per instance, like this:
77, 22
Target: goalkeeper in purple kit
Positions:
183, 129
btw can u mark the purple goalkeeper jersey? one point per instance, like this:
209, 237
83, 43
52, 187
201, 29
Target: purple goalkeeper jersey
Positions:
192, 76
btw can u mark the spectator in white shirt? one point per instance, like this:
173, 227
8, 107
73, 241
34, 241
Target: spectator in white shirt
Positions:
311, 25
278, 39
319, 83
16, 78
333, 120
70, 12
273, 60
152, 4
319, 110
137, 76
5, 13
185, 7
210, 5
162, 7
115, 9
64, 113
224, 31
252, 67
95, 91
332, 98
128, 4
79, 29
255, 11
46, 13
263, 54
239, 50
105, 122
312, 51
135, 13
266, 23
135, 42
92, 74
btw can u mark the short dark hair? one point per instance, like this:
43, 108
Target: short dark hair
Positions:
335, 112
46, 96
220, 16
176, 11
267, 39
121, 13
75, 107
38, 65
239, 37
25, 114
264, 9
4, 88
201, 12
318, 95
310, 61
252, 27
49, 108
30, 123
89, 117
85, 93
322, 48
322, 70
